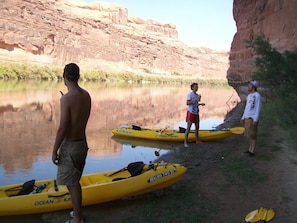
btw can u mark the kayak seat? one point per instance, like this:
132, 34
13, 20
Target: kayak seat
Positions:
135, 168
135, 127
182, 130
27, 188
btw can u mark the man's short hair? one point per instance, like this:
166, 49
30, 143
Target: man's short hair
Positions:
71, 72
193, 84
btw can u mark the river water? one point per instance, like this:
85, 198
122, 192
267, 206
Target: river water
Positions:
29, 114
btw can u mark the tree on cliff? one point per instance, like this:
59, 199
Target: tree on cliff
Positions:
278, 71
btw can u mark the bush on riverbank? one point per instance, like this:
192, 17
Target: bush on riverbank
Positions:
15, 71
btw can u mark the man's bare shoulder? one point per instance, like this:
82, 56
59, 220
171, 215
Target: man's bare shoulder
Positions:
76, 92
74, 96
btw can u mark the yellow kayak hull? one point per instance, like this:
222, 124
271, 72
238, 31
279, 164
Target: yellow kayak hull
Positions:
96, 188
174, 135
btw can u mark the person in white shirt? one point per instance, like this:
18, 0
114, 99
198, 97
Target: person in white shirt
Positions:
193, 112
251, 114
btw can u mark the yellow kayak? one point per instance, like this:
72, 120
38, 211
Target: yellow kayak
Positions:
174, 135
137, 178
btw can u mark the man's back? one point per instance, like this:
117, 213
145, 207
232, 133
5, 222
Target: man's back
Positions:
76, 105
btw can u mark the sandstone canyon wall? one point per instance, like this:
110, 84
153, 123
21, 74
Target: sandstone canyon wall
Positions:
276, 19
100, 36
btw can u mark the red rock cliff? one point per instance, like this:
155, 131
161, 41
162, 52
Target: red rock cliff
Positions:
276, 19
98, 36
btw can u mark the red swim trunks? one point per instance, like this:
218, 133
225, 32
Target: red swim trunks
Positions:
192, 118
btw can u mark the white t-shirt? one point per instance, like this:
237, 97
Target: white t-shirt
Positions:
193, 108
253, 106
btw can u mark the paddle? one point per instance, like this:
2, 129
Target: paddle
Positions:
262, 215
256, 215
269, 215
237, 130
121, 170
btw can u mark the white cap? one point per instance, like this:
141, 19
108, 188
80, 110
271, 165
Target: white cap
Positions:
254, 83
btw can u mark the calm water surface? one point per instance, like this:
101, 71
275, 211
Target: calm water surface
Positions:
30, 116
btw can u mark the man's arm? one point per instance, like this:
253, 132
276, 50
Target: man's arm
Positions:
63, 127
258, 107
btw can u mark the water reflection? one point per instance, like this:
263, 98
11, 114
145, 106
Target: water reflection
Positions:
29, 117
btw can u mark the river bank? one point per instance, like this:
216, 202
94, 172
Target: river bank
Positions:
221, 185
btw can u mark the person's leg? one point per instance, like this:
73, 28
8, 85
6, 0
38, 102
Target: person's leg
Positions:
252, 145
197, 129
247, 133
253, 136
189, 124
76, 198
196, 133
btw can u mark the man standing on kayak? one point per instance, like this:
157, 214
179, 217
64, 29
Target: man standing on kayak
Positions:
193, 112
70, 148
251, 114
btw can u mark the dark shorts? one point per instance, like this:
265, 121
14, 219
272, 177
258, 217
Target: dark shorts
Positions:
192, 118
72, 159
250, 129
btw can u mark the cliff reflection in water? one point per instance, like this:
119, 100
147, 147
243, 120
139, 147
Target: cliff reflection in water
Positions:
29, 119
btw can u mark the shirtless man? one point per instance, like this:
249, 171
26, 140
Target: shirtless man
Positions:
70, 148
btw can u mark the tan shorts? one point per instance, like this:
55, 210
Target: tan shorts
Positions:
250, 129
72, 159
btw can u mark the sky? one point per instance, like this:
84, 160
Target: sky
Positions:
206, 23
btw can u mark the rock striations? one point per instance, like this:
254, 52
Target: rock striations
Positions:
100, 36
276, 19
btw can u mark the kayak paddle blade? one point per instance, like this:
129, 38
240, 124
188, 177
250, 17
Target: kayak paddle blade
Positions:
262, 214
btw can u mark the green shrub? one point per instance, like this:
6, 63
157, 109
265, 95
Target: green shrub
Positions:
278, 72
